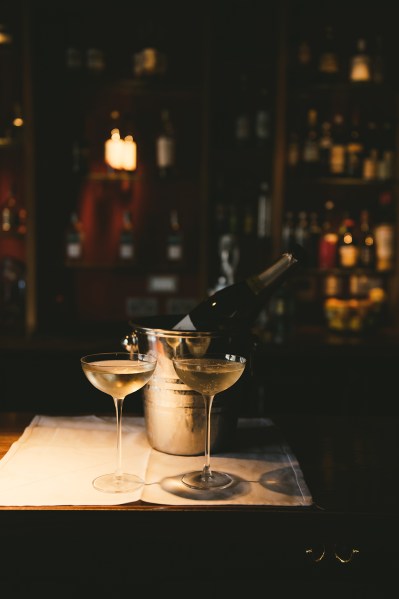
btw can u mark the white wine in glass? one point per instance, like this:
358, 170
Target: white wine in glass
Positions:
118, 374
208, 375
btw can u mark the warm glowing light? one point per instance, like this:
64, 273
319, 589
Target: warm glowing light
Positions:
129, 154
18, 121
121, 154
114, 150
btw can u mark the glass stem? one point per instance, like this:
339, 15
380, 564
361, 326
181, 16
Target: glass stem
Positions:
118, 409
206, 471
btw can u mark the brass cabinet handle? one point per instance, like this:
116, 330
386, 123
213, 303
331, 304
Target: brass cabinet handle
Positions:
345, 559
316, 554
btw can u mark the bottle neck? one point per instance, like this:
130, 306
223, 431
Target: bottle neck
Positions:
274, 273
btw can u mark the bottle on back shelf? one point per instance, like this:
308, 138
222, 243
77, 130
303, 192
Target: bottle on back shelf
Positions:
74, 238
384, 233
310, 149
238, 305
174, 241
10, 213
348, 250
242, 116
165, 146
360, 63
366, 241
126, 237
329, 67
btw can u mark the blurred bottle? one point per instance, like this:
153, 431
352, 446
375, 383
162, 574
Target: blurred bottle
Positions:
310, 149
288, 232
325, 145
264, 224
360, 63
329, 68
10, 213
262, 121
348, 250
12, 293
242, 116
314, 235
166, 146
378, 61
370, 162
303, 63
366, 241
354, 153
126, 250
174, 240
338, 146
328, 243
74, 238
384, 232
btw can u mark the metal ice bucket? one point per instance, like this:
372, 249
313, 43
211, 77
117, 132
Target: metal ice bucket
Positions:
174, 414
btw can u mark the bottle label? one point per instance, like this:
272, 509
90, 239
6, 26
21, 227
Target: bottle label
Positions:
185, 324
337, 159
74, 250
242, 128
126, 252
384, 240
348, 255
175, 252
328, 251
165, 152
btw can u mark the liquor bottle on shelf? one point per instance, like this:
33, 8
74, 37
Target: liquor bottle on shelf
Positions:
10, 213
301, 232
370, 162
366, 241
165, 146
338, 146
126, 250
325, 144
384, 233
348, 250
386, 157
242, 116
360, 63
238, 305
174, 241
378, 61
354, 152
303, 63
329, 61
310, 150
262, 120
328, 244
288, 232
293, 152
314, 235
74, 238
264, 224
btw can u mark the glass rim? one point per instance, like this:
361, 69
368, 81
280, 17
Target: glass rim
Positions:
133, 356
224, 355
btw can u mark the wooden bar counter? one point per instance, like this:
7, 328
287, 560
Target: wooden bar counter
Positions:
348, 537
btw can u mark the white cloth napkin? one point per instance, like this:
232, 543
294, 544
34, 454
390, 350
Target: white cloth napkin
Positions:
56, 459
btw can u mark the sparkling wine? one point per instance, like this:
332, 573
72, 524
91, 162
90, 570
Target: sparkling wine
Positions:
238, 305
118, 378
208, 375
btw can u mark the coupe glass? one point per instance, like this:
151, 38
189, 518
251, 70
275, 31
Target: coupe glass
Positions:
118, 374
208, 374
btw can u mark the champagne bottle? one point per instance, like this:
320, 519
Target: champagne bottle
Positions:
237, 305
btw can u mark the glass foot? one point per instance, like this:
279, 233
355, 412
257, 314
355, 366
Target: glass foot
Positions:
217, 480
113, 483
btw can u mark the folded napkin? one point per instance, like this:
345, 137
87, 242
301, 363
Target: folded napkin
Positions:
56, 459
